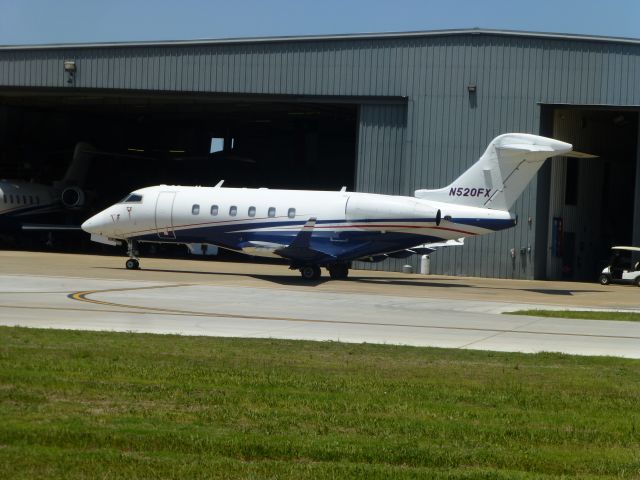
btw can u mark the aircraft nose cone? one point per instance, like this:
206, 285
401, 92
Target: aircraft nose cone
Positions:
91, 225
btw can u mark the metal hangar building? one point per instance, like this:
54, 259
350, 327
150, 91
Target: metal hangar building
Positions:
383, 113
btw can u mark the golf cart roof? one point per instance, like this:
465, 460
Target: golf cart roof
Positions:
631, 249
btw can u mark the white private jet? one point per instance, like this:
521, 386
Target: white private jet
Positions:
314, 229
24, 202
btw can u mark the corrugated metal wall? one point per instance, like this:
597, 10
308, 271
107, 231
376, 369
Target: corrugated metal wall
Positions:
445, 128
381, 138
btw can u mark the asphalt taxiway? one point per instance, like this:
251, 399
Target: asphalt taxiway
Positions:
267, 301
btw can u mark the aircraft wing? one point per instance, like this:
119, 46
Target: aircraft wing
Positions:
427, 248
45, 227
422, 249
300, 250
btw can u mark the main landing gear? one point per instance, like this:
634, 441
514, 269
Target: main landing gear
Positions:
132, 250
310, 272
337, 271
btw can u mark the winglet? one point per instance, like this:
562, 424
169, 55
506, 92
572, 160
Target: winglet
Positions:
219, 184
299, 250
304, 235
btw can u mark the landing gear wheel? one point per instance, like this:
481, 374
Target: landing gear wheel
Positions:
132, 264
310, 272
604, 279
339, 271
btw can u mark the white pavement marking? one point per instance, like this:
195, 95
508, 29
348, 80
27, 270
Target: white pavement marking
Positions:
157, 307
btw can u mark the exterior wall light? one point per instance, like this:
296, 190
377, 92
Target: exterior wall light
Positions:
471, 88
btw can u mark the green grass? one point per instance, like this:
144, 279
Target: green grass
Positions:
582, 314
115, 405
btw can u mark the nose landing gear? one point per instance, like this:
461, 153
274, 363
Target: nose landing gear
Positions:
132, 264
132, 250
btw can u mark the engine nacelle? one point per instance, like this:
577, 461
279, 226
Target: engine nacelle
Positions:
371, 206
72, 197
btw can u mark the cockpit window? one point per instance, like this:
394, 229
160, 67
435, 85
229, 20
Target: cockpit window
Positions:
131, 198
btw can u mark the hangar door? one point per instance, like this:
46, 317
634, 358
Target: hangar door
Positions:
164, 215
381, 136
592, 202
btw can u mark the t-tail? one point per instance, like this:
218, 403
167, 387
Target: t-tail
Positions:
79, 166
498, 178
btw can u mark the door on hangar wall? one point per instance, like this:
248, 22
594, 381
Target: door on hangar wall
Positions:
592, 202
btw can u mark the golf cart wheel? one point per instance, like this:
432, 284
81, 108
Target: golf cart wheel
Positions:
604, 279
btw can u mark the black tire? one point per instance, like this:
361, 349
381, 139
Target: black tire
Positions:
604, 279
636, 281
132, 264
339, 271
310, 272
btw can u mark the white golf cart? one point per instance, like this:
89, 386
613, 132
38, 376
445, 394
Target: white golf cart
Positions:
621, 268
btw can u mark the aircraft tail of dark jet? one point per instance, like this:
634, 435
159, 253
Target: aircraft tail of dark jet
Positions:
79, 166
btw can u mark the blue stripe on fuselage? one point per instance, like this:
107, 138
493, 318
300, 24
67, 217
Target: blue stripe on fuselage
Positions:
342, 245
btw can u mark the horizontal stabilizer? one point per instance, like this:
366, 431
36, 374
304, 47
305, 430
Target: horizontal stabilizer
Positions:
524, 147
575, 154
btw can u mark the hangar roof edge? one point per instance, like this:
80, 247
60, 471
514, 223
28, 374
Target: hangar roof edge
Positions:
336, 37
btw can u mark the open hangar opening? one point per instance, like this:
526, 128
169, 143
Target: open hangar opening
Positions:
418, 107
144, 139
592, 203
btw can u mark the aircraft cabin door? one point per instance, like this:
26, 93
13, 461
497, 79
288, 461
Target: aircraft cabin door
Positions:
164, 215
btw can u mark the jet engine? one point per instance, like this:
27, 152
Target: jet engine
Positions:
72, 197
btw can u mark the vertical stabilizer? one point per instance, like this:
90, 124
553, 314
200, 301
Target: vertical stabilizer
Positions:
79, 166
498, 178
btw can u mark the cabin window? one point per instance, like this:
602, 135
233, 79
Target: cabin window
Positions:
5, 198
214, 210
31, 199
18, 199
272, 212
195, 210
10, 198
38, 199
252, 211
24, 199
291, 213
233, 210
